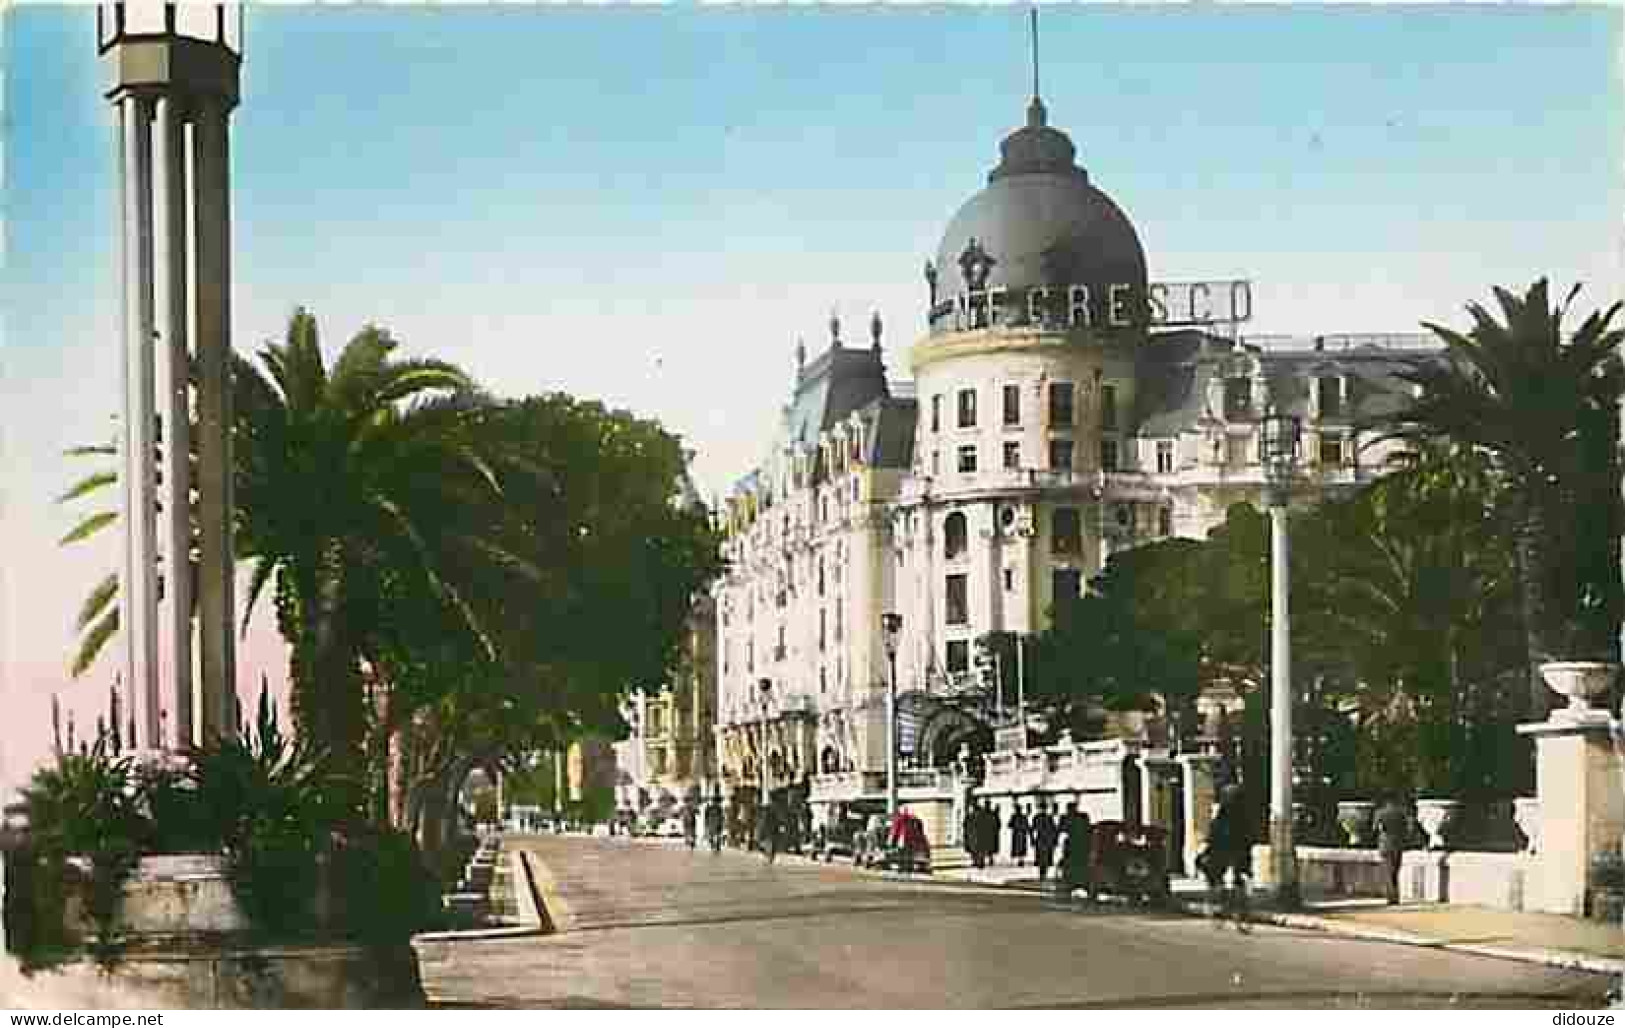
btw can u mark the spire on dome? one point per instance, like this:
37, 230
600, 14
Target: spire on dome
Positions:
1037, 116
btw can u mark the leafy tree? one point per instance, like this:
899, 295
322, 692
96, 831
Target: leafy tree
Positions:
487, 576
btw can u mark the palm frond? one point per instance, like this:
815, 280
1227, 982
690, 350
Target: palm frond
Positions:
104, 593
88, 485
89, 526
95, 450
91, 646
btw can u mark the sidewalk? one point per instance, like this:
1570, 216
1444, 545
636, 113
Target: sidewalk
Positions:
1548, 939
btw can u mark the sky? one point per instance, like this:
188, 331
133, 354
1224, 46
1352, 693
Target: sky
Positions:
649, 206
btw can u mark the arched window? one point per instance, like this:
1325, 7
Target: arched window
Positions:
1067, 536
953, 535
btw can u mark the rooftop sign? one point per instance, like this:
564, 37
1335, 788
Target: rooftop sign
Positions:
1118, 305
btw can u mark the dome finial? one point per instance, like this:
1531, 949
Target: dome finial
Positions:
1036, 115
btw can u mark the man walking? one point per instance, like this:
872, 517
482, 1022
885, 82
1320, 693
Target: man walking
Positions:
971, 833
1045, 832
713, 824
990, 833
1076, 850
1018, 836
1393, 837
1229, 849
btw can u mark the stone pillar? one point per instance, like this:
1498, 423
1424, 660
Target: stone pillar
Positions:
1200, 795
169, 222
212, 248
1582, 807
1156, 797
139, 583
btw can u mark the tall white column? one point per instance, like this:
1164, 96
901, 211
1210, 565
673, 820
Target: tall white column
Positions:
212, 298
1282, 855
138, 620
169, 198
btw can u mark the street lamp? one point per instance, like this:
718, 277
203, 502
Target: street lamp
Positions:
1281, 435
891, 626
170, 67
764, 695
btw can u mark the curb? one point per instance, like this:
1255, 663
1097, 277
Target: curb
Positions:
1560, 959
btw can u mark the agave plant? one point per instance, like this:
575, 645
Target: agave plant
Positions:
90, 805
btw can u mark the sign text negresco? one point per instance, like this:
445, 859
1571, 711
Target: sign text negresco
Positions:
1163, 305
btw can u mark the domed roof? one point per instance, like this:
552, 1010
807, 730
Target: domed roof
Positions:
1038, 223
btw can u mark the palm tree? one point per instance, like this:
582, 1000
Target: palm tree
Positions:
1545, 409
345, 481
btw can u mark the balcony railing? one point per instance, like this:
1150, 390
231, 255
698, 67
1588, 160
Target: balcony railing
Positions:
1346, 341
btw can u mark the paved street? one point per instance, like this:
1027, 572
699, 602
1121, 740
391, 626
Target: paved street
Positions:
650, 924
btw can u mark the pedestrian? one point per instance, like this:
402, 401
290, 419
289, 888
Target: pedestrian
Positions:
689, 816
1018, 836
1229, 850
971, 833
770, 832
1045, 833
713, 824
1393, 838
909, 841
1077, 848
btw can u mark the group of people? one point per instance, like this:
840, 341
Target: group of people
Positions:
1042, 833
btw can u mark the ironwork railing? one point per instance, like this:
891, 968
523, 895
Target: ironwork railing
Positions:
1345, 341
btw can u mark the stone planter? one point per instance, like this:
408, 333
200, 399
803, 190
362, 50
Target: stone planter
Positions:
1354, 816
1526, 812
1579, 681
1438, 819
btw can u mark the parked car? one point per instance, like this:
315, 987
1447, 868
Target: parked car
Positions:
844, 834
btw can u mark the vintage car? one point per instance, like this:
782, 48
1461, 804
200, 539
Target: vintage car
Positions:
843, 835
1129, 859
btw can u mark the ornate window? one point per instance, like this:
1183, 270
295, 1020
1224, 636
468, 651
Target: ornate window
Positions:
1165, 456
1060, 454
1066, 583
967, 460
954, 535
958, 600
1061, 410
1238, 396
1012, 405
1329, 396
967, 408
1108, 455
1066, 531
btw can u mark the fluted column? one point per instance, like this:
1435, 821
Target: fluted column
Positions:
169, 222
139, 587
212, 299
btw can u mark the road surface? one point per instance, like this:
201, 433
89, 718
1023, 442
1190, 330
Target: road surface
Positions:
649, 924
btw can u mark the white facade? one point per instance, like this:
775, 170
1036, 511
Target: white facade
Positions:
1031, 444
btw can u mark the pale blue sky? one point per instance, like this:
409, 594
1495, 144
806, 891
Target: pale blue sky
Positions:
650, 205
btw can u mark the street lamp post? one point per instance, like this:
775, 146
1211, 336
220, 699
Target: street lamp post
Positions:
891, 626
764, 694
171, 67
1281, 433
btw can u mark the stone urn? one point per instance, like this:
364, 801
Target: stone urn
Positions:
1438, 819
1354, 817
1579, 681
1526, 812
